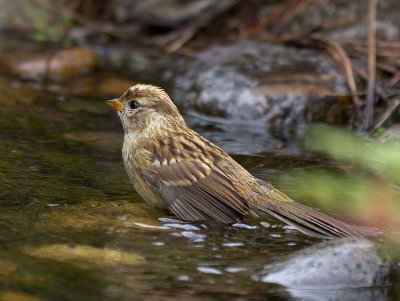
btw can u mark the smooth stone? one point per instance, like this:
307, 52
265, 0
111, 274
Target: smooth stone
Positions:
334, 265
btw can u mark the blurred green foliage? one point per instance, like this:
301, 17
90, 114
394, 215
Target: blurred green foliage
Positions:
366, 184
379, 156
45, 30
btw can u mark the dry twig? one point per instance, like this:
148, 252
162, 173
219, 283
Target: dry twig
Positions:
337, 52
385, 116
292, 9
369, 108
393, 81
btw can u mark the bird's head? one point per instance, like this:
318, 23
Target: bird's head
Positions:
146, 107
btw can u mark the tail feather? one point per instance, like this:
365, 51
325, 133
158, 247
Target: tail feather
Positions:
307, 220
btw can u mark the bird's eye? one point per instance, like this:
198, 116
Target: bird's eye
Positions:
134, 104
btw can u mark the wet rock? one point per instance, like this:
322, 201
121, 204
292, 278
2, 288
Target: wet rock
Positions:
262, 83
59, 66
334, 265
167, 13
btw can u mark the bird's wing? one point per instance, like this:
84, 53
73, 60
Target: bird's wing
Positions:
194, 188
265, 200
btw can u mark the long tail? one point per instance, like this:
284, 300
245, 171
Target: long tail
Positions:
305, 219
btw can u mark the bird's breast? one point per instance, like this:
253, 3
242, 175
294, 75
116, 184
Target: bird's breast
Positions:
136, 161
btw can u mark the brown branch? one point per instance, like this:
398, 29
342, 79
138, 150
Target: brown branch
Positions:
337, 52
385, 116
377, 88
393, 81
292, 9
335, 23
265, 24
369, 109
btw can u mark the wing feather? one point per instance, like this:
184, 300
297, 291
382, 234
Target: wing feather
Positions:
196, 189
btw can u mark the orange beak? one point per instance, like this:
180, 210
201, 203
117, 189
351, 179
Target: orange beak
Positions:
116, 104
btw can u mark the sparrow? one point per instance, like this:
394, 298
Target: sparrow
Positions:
175, 168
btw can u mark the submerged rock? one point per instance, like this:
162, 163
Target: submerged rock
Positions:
255, 81
334, 265
83, 255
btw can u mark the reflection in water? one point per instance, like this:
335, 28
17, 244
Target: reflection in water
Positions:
372, 294
254, 138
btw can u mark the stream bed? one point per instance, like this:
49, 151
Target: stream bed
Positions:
73, 228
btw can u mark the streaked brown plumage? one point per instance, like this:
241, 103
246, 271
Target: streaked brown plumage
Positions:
175, 168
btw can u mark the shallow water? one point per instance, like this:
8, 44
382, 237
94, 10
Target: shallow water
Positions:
73, 228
